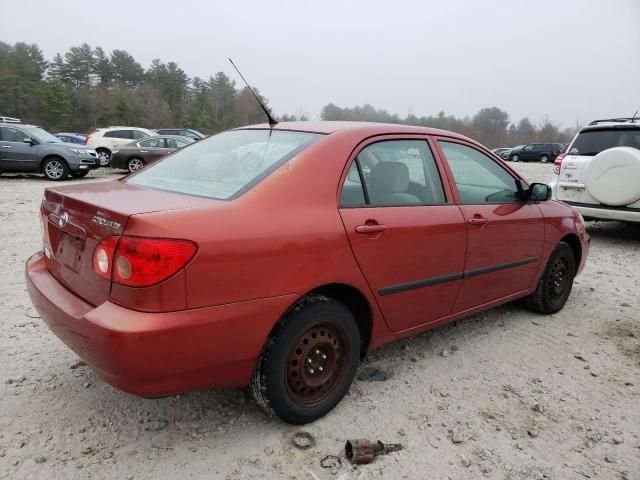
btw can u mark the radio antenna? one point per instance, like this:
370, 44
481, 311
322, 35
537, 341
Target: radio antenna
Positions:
272, 121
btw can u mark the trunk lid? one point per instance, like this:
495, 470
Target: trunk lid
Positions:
76, 219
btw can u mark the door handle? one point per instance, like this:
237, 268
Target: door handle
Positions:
374, 228
5, 146
478, 220
144, 151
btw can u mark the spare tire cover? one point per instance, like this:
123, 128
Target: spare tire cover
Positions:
613, 176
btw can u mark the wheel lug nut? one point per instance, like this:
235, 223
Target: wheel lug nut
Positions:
324, 357
311, 371
317, 352
320, 369
308, 360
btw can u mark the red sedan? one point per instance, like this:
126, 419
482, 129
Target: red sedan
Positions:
278, 257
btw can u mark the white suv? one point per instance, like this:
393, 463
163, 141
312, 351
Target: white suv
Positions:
599, 175
105, 140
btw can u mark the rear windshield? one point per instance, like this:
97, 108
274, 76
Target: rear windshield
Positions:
592, 142
225, 165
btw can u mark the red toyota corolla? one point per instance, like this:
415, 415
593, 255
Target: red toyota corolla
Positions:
278, 257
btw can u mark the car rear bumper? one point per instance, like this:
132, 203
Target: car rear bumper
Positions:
157, 354
622, 214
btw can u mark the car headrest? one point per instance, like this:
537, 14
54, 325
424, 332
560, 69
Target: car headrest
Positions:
389, 177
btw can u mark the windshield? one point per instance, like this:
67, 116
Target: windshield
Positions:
592, 142
225, 165
42, 136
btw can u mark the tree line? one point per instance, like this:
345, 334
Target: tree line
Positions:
86, 88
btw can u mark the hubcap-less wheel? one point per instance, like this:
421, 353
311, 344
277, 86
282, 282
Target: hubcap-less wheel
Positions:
135, 164
316, 363
104, 157
544, 159
54, 169
559, 280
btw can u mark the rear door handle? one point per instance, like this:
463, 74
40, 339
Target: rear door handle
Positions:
478, 220
367, 229
5, 146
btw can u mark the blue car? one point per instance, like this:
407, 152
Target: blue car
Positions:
72, 138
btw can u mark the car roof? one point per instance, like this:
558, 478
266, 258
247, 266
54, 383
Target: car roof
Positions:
613, 124
18, 125
368, 128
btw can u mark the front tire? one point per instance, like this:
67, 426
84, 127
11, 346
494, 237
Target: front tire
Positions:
308, 362
544, 159
554, 286
55, 169
515, 158
104, 157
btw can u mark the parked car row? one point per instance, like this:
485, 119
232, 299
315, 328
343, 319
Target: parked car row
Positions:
531, 152
28, 148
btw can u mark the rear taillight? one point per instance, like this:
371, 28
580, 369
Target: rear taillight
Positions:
557, 163
141, 262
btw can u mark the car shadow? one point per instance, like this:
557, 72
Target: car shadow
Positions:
614, 231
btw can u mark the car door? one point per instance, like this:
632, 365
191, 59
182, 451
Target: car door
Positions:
152, 148
15, 154
505, 234
406, 235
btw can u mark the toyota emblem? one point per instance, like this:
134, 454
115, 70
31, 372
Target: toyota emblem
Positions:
64, 218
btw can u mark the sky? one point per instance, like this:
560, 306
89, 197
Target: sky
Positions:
568, 61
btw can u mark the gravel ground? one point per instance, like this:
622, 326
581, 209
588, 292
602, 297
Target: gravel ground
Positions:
503, 395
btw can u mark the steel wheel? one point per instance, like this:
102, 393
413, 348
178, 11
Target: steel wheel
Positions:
559, 280
55, 169
135, 164
316, 363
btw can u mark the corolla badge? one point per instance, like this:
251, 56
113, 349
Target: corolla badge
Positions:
64, 218
106, 223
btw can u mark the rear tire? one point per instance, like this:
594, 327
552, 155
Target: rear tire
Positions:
308, 362
544, 159
554, 286
55, 169
134, 164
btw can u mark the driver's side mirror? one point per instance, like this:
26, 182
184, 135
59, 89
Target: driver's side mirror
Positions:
29, 141
539, 192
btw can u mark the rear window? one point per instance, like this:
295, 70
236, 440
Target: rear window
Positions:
592, 142
225, 165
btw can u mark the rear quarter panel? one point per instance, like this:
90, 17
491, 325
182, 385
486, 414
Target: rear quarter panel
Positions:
282, 237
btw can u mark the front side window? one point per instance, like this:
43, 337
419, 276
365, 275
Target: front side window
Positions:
225, 165
396, 172
138, 134
479, 178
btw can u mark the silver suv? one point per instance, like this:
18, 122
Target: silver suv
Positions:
28, 148
599, 175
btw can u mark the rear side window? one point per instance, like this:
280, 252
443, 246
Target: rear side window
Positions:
396, 173
226, 165
592, 142
11, 135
